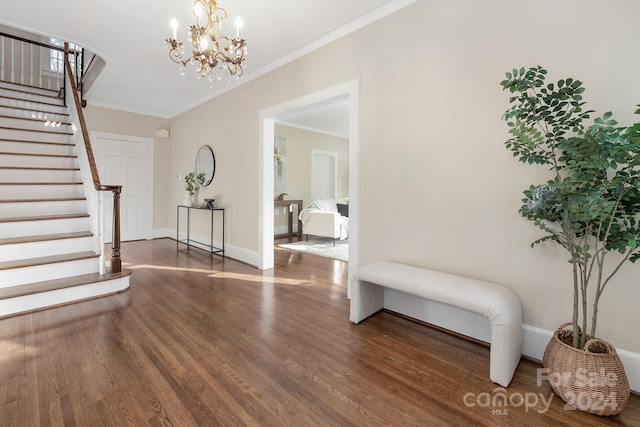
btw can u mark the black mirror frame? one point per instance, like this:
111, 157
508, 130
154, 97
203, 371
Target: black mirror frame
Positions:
206, 149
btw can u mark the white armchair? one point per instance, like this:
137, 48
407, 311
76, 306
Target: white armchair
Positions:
320, 217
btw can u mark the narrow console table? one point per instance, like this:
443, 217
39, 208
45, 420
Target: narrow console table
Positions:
289, 205
202, 245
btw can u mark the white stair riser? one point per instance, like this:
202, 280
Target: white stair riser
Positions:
38, 161
15, 210
35, 136
21, 276
26, 147
37, 228
37, 125
30, 89
62, 296
31, 97
45, 248
39, 175
54, 191
33, 114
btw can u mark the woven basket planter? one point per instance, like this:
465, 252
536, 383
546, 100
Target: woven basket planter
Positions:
593, 382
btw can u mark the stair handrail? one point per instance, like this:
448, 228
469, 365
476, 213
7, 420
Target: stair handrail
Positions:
116, 262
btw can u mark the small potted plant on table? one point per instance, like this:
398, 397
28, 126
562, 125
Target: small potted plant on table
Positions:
192, 184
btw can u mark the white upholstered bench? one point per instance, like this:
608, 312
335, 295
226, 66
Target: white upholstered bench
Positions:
497, 303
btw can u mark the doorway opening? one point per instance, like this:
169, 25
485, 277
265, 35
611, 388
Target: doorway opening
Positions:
268, 118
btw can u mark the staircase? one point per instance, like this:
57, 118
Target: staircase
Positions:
49, 253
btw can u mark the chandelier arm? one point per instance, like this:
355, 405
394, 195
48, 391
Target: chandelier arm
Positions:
175, 51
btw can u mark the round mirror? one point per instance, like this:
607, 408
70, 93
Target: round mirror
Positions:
205, 164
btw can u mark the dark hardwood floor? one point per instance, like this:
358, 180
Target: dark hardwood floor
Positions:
212, 342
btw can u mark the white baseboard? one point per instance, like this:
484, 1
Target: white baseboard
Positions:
159, 233
284, 229
244, 255
240, 254
631, 362
534, 339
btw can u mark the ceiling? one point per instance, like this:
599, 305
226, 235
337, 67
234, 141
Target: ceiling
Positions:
328, 117
139, 76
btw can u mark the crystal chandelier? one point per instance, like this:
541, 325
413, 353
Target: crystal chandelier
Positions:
214, 53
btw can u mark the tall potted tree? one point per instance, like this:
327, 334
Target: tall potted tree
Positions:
589, 206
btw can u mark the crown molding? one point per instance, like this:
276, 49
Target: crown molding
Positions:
362, 21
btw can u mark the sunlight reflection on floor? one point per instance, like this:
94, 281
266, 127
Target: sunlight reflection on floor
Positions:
226, 275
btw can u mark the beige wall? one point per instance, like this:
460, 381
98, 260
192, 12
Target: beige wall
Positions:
438, 188
120, 122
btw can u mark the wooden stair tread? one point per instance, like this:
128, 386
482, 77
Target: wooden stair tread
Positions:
52, 285
52, 104
45, 237
53, 259
65, 199
28, 141
38, 168
40, 183
33, 119
44, 217
33, 110
36, 130
14, 153
25, 86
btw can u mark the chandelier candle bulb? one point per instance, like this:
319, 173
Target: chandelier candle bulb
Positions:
174, 27
197, 11
239, 25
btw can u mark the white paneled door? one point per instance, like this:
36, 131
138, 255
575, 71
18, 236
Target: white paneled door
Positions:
127, 161
324, 174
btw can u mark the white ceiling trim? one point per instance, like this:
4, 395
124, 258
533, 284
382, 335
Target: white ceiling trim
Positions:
349, 28
128, 110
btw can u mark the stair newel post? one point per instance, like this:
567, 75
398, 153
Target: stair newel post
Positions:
116, 262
